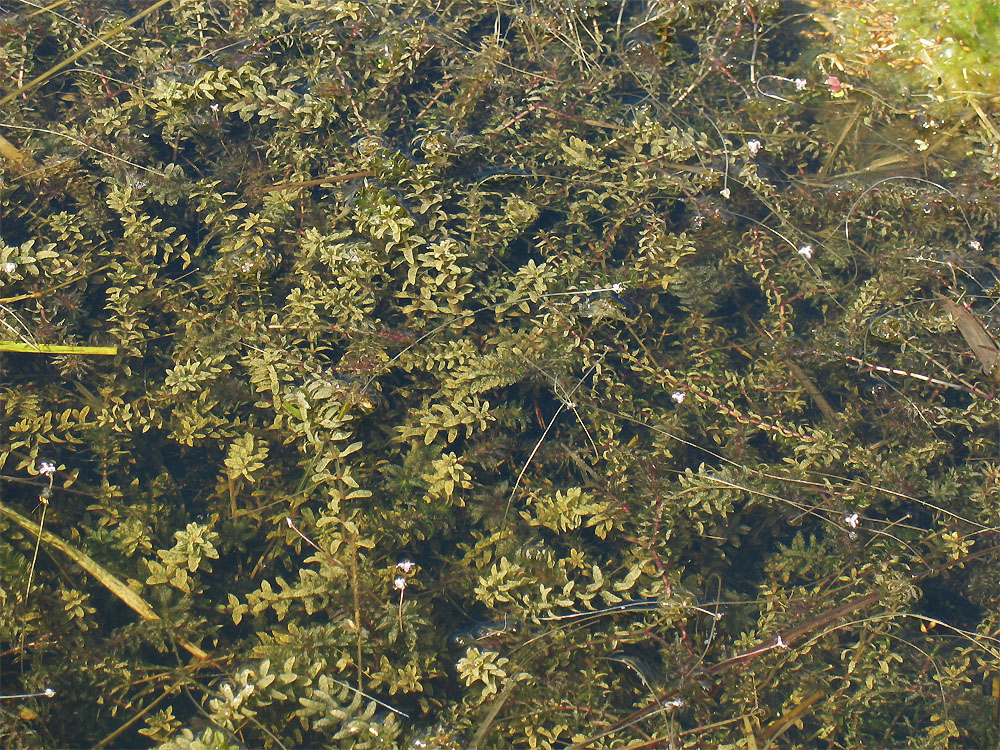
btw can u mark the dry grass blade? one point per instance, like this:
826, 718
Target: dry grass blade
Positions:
13, 154
28, 348
40, 79
983, 345
108, 580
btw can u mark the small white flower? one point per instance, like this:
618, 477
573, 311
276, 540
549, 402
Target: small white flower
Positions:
678, 397
618, 287
399, 583
753, 146
406, 565
49, 693
9, 267
725, 193
780, 643
974, 244
800, 83
46, 468
214, 106
852, 520
806, 251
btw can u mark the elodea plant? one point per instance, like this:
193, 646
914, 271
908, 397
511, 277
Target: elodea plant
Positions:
486, 375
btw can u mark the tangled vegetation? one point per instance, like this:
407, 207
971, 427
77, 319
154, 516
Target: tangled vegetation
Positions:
940, 51
447, 374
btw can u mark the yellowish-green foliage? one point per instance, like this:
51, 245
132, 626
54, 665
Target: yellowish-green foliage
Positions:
942, 49
513, 374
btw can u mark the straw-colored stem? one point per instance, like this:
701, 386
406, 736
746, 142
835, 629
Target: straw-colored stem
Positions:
40, 79
27, 348
109, 581
13, 154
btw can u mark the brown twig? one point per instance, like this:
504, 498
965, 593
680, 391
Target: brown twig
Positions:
318, 181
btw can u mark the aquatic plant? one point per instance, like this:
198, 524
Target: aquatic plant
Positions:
941, 51
576, 374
